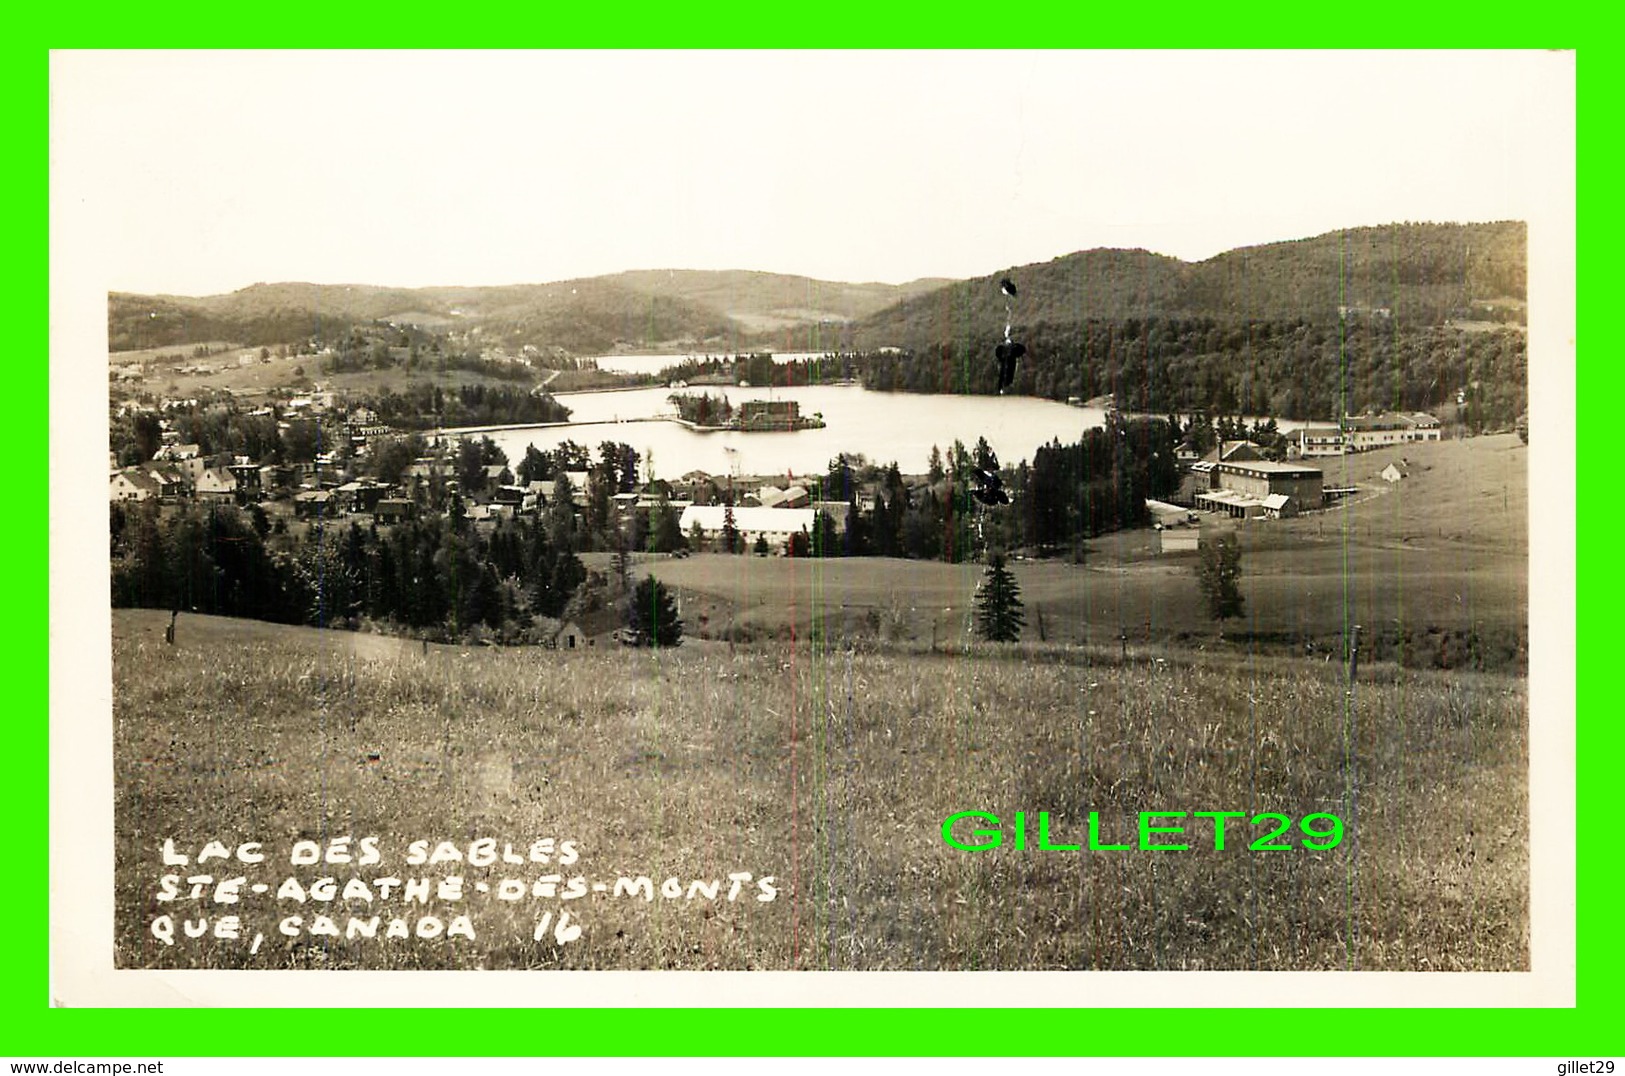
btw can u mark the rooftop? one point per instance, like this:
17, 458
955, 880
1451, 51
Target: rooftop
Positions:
749, 520
1270, 467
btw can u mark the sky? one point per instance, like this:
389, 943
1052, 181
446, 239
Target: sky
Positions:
200, 173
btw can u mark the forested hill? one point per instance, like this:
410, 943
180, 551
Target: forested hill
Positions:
1412, 316
1425, 274
774, 299
681, 309
581, 316
1414, 274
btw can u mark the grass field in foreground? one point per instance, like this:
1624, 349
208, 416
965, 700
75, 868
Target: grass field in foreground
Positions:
831, 772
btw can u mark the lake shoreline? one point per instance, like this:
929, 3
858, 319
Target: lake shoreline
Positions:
884, 427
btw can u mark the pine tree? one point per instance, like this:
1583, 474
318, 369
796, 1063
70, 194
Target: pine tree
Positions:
731, 538
1218, 571
652, 617
998, 604
666, 536
826, 541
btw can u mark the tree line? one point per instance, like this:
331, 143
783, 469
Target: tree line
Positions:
437, 575
440, 577
1066, 494
1291, 369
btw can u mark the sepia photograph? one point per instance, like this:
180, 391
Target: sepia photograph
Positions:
782, 512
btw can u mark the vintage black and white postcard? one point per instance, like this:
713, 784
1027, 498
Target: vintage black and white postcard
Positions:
733, 516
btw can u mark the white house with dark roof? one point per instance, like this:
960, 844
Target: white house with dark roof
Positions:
1319, 439
132, 485
177, 452
1364, 432
216, 484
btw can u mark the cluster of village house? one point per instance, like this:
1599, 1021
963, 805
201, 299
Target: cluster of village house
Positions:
321, 488
180, 471
1234, 479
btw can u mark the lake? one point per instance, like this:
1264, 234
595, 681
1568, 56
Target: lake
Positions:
883, 426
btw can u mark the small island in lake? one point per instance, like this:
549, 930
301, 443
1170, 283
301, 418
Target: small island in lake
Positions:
707, 412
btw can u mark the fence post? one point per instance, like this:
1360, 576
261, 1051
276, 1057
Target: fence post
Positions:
1354, 654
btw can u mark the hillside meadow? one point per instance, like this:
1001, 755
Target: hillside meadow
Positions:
281, 372
1434, 569
786, 803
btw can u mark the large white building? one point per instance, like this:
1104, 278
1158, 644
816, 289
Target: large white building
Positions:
1361, 433
776, 524
1317, 439
1364, 432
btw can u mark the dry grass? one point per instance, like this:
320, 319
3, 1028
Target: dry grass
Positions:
832, 771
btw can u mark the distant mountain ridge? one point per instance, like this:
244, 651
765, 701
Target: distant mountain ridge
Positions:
1415, 274
681, 309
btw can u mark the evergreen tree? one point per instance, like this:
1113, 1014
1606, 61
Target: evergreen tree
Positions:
652, 617
567, 576
666, 532
984, 457
731, 538
998, 605
561, 515
1218, 571
839, 480
1200, 435
855, 540
761, 549
635, 532
599, 513
148, 436
826, 540
537, 466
